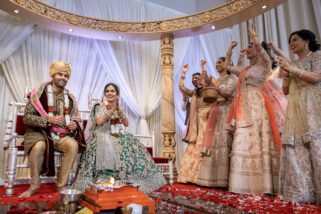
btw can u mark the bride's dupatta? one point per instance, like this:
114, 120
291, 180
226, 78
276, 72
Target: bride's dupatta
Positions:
107, 150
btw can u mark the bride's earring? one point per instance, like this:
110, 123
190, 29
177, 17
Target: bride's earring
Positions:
306, 46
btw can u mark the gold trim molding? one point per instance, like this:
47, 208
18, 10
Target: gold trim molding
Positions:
192, 23
137, 27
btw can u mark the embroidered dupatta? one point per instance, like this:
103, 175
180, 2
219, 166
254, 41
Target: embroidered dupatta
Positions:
192, 126
296, 126
240, 114
208, 138
107, 150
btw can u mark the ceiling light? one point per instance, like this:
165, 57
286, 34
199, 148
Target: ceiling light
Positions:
213, 27
16, 11
264, 6
120, 37
71, 30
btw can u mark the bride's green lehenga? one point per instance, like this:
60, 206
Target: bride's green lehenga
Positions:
123, 158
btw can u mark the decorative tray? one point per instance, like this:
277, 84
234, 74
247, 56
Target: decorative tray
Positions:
110, 186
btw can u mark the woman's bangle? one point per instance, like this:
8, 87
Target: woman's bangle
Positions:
122, 116
302, 71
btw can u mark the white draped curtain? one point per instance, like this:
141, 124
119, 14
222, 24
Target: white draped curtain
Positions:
277, 24
26, 53
12, 34
136, 65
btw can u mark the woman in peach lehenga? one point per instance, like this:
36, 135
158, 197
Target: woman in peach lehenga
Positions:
256, 142
217, 142
196, 126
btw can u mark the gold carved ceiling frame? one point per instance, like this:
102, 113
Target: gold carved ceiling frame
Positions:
225, 15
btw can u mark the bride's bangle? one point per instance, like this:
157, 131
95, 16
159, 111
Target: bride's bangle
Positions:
107, 115
122, 116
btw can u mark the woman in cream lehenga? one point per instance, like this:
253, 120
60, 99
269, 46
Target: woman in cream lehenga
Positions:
217, 142
112, 153
254, 164
197, 122
300, 170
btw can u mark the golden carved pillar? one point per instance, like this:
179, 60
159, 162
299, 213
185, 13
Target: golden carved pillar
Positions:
168, 111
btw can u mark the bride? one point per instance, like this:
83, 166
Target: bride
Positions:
111, 152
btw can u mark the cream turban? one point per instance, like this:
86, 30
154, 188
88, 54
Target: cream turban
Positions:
59, 66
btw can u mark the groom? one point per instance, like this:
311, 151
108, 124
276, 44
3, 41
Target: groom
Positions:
52, 123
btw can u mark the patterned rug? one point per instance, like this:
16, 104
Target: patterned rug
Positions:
182, 198
177, 198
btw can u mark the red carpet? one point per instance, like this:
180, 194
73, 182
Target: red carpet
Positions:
47, 193
195, 199
179, 198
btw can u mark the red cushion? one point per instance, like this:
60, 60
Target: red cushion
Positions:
20, 148
161, 160
20, 126
84, 124
150, 150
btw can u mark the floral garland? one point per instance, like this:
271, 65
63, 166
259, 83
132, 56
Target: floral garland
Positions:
51, 108
116, 125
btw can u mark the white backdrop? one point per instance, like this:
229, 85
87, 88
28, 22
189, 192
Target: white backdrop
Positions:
134, 66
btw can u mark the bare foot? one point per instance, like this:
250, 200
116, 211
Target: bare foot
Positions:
29, 192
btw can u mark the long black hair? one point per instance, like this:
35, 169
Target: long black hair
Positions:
308, 36
269, 52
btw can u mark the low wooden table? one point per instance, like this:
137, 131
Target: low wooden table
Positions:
108, 200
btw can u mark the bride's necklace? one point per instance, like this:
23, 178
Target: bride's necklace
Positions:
116, 126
